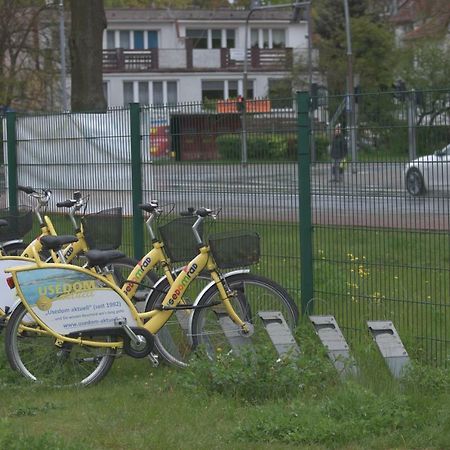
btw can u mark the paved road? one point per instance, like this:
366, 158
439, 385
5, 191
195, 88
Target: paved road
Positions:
371, 194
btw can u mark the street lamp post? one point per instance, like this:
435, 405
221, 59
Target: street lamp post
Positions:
350, 100
295, 7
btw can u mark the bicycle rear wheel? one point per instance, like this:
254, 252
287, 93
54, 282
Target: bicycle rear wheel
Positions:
122, 269
15, 249
213, 329
35, 355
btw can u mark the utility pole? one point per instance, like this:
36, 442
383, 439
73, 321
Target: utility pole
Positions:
350, 100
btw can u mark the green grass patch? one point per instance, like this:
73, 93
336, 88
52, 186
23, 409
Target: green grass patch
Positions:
233, 404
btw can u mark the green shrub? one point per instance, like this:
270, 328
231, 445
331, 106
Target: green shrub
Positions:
229, 146
322, 142
262, 147
260, 376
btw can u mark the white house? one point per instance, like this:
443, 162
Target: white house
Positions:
168, 56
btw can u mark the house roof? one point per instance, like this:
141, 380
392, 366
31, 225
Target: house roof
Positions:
428, 18
169, 15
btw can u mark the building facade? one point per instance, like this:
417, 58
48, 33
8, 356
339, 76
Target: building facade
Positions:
180, 56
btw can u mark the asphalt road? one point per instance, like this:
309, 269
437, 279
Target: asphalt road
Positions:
371, 194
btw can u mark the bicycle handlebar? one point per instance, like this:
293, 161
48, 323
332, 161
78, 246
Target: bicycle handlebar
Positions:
27, 189
189, 212
66, 204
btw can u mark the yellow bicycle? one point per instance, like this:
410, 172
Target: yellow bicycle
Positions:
81, 320
101, 230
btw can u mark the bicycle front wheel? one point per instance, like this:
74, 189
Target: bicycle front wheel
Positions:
213, 329
34, 355
173, 341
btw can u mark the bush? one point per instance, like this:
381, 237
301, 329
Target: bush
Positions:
322, 142
261, 147
229, 147
258, 375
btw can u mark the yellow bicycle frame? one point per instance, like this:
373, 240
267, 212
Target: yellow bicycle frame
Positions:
70, 252
156, 318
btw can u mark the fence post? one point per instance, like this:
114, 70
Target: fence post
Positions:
136, 178
304, 191
12, 158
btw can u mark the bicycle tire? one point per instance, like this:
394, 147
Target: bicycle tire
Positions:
254, 294
36, 357
173, 341
122, 268
15, 249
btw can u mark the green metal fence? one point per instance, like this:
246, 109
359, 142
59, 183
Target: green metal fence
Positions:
360, 249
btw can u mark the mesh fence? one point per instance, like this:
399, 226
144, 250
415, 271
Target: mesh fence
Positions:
381, 245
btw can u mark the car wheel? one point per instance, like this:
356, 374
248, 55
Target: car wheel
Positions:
414, 182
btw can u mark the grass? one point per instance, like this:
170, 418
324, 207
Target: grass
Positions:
232, 404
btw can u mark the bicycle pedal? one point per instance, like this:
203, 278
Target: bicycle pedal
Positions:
154, 359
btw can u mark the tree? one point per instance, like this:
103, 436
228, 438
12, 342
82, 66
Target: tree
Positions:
26, 65
372, 44
88, 21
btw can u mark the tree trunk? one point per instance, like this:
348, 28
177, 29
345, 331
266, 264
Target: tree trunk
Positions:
86, 36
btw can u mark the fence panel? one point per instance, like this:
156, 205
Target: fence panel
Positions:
379, 250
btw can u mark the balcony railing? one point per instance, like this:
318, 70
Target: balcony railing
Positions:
190, 59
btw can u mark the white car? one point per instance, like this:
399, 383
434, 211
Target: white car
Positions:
430, 172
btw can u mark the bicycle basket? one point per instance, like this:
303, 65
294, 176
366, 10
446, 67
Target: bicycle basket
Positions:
179, 240
20, 222
103, 230
235, 249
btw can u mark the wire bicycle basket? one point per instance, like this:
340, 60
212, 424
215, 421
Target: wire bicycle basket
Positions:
178, 238
20, 222
103, 230
235, 249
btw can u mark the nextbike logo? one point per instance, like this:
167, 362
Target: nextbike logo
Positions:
66, 288
69, 252
142, 266
184, 282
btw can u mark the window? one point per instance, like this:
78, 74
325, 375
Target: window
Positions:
278, 39
212, 90
139, 40
105, 90
232, 89
152, 39
216, 38
128, 96
158, 93
172, 95
254, 39
143, 93
223, 89
267, 38
199, 38
230, 39
132, 39
124, 39
209, 38
150, 92
110, 39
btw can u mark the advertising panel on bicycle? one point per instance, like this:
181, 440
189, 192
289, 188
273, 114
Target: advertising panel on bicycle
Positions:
7, 296
68, 300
